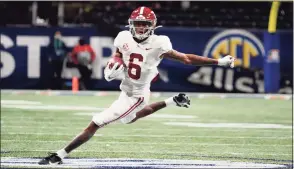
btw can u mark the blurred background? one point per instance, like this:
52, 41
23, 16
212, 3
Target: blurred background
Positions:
38, 40
42, 63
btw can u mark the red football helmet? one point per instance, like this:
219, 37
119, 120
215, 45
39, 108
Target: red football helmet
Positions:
142, 22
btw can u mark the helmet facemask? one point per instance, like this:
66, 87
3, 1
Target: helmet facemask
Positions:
141, 28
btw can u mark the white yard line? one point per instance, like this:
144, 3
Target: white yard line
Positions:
153, 94
19, 102
68, 122
147, 135
33, 119
81, 119
172, 123
154, 118
43, 134
172, 116
133, 163
228, 125
78, 119
52, 107
147, 143
149, 129
168, 152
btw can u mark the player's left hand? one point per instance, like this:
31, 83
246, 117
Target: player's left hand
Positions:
227, 61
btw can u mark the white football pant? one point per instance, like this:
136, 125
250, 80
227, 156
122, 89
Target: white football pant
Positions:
123, 109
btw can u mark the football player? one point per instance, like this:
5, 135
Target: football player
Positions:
141, 52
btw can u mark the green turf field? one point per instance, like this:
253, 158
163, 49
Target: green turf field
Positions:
30, 130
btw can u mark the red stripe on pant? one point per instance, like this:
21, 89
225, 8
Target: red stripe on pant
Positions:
140, 100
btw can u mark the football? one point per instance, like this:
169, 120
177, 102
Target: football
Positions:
114, 60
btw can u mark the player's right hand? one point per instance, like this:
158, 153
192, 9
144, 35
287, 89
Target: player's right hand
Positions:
112, 72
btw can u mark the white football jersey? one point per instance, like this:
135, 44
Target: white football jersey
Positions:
141, 60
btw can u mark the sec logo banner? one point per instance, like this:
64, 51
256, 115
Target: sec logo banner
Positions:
241, 44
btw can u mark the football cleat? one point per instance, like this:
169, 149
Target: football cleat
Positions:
182, 100
51, 159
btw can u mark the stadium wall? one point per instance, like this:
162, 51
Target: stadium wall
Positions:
25, 64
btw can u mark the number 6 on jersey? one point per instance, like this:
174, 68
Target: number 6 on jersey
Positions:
133, 66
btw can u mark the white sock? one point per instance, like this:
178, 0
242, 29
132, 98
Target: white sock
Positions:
62, 153
170, 101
